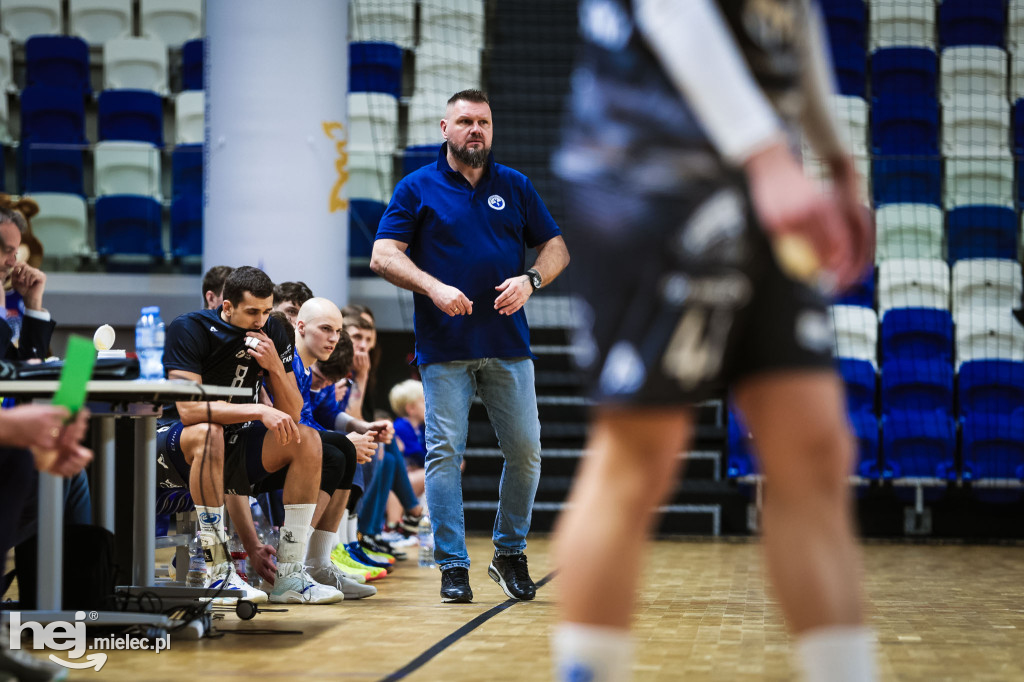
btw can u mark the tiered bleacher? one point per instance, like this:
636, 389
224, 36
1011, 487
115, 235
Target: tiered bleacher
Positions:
94, 110
931, 101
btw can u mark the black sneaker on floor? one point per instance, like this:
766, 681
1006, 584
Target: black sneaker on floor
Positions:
377, 544
410, 525
510, 571
455, 587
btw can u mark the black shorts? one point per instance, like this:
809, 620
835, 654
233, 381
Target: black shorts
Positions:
243, 457
681, 295
337, 466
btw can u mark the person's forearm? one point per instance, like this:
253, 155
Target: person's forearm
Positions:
344, 422
552, 258
701, 58
241, 516
396, 267
356, 393
218, 412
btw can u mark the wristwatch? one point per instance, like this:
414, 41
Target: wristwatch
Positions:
535, 279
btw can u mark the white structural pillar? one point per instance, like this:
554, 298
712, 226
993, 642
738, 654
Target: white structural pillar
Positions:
276, 131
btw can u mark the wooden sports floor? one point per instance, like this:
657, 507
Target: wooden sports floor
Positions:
941, 612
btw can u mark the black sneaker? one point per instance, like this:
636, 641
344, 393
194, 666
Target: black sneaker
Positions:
455, 587
377, 544
510, 571
410, 524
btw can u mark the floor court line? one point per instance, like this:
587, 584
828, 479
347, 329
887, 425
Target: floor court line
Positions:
421, 660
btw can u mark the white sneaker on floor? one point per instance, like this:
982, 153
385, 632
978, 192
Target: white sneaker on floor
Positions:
332, 576
234, 589
294, 585
396, 539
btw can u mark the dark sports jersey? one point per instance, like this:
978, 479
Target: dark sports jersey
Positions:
202, 343
625, 109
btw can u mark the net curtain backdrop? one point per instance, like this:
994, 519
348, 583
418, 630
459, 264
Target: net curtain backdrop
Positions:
276, 126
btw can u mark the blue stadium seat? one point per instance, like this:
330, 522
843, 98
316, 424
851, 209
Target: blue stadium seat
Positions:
861, 384
414, 158
46, 168
972, 22
907, 126
993, 446
981, 232
919, 444
136, 115
865, 430
57, 62
52, 115
912, 385
862, 293
850, 64
913, 181
192, 65
364, 216
187, 170
375, 67
127, 224
187, 225
846, 21
990, 387
904, 72
924, 333
741, 461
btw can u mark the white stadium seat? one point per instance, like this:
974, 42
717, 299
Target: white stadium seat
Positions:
913, 283
97, 21
61, 224
856, 329
127, 168
135, 63
986, 283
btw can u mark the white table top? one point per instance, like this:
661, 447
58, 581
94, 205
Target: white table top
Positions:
166, 391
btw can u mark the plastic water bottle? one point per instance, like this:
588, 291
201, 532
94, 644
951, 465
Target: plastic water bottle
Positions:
239, 556
196, 576
425, 535
149, 344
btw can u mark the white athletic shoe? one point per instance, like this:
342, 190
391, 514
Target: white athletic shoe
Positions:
332, 576
294, 585
396, 539
235, 588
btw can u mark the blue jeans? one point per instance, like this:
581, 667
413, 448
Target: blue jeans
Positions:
389, 475
506, 387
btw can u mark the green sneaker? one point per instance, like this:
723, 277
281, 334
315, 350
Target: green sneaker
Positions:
342, 559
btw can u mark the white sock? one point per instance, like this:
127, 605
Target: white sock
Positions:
321, 542
292, 547
591, 652
353, 528
213, 534
343, 529
839, 653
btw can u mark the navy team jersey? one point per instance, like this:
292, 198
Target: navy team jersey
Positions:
202, 343
625, 111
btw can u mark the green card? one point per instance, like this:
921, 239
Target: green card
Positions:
75, 374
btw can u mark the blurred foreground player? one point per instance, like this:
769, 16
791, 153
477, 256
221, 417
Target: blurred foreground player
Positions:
680, 183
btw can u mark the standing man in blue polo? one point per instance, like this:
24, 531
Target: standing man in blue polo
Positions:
455, 234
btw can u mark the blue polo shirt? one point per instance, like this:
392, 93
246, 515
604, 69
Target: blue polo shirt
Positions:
471, 238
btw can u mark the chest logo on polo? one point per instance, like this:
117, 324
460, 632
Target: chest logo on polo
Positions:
496, 202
